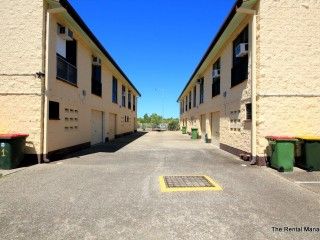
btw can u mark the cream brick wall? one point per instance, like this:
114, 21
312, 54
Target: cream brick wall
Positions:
21, 38
22, 26
21, 51
288, 69
288, 65
72, 97
235, 100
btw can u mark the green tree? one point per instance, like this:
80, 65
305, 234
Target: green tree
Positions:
146, 118
173, 124
155, 119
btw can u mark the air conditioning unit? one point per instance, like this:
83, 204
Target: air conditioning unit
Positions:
242, 50
66, 33
96, 61
216, 73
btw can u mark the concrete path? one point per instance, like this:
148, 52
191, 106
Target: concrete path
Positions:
112, 192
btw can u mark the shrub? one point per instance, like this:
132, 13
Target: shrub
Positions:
173, 125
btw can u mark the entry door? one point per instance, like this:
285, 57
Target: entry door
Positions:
203, 125
96, 127
215, 128
112, 126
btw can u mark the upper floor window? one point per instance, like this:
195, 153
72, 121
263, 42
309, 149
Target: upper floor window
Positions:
134, 102
114, 90
190, 100
239, 72
66, 50
201, 90
123, 96
216, 78
186, 103
129, 99
182, 106
194, 96
96, 85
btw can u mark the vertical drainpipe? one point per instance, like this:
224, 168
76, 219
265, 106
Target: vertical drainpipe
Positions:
254, 89
45, 90
253, 51
45, 115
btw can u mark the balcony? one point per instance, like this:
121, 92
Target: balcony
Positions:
66, 71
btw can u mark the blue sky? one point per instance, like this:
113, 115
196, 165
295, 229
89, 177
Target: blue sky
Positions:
157, 43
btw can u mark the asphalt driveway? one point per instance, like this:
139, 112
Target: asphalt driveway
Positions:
112, 191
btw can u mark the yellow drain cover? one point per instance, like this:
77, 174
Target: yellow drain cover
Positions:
187, 183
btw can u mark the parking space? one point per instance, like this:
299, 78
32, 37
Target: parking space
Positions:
112, 191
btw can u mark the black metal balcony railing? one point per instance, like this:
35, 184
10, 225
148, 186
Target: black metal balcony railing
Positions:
66, 71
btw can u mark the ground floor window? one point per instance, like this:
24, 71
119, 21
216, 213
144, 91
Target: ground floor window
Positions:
54, 110
249, 111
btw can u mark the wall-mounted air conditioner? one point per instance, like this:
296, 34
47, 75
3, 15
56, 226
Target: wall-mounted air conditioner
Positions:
216, 73
65, 33
242, 50
96, 61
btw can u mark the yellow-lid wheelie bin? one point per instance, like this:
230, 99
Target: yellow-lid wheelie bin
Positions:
310, 153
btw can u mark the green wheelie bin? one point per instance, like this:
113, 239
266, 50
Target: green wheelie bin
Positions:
282, 152
310, 153
194, 133
184, 130
11, 150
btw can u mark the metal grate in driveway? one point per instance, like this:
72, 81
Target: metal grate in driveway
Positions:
187, 183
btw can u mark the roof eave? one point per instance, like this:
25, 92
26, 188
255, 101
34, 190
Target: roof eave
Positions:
72, 12
225, 24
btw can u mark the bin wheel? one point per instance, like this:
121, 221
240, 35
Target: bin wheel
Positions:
268, 163
281, 169
310, 169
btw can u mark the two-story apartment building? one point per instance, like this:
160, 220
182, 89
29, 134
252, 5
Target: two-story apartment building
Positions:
58, 83
259, 77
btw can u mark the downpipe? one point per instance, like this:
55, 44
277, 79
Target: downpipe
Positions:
253, 81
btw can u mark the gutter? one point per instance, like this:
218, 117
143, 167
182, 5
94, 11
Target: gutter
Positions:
72, 12
214, 42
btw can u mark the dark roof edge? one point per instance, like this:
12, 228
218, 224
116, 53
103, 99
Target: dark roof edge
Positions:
81, 23
214, 41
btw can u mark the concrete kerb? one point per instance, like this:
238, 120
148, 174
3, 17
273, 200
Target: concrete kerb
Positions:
281, 176
4, 173
265, 168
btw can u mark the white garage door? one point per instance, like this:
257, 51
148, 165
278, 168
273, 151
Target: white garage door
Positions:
215, 128
203, 126
112, 126
96, 127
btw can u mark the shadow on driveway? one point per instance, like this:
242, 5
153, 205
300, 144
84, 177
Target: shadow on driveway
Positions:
109, 147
